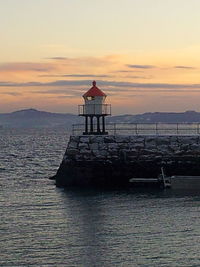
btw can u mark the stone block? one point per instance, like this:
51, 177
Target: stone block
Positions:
65, 158
139, 146
113, 157
150, 145
97, 139
163, 148
71, 152
94, 146
113, 152
72, 144
103, 153
140, 139
163, 140
79, 157
109, 139
87, 157
103, 146
85, 139
99, 157
185, 147
83, 146
173, 139
133, 150
195, 146
131, 145
132, 153
148, 152
132, 139
179, 152
150, 139
100, 153
150, 142
123, 145
85, 151
122, 139
188, 140
74, 138
112, 146
132, 158
198, 139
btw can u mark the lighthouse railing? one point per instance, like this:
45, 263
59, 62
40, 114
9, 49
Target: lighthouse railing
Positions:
145, 128
94, 109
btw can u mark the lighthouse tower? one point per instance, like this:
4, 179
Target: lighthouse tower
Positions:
94, 111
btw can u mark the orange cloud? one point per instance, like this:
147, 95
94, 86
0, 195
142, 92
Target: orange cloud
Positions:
58, 83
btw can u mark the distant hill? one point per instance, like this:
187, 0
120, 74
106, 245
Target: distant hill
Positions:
32, 118
156, 117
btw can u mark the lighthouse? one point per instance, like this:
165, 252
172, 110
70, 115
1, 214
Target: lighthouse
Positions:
95, 110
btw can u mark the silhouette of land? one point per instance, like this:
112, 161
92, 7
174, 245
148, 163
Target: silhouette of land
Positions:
32, 118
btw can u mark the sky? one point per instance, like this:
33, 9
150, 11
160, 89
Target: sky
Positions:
144, 54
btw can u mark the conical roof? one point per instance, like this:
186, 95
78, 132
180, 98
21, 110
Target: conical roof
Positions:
94, 91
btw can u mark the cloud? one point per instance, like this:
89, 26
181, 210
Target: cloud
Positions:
127, 71
78, 75
10, 93
61, 83
184, 67
138, 77
25, 66
140, 66
58, 58
86, 61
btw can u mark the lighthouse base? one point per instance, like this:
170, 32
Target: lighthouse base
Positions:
95, 133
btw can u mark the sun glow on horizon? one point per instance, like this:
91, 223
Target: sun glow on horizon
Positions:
144, 54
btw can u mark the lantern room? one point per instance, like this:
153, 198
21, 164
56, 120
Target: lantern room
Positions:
94, 99
94, 110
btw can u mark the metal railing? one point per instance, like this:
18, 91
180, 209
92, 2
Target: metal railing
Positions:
145, 128
94, 109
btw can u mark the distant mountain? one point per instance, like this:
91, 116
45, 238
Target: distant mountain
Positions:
32, 118
156, 117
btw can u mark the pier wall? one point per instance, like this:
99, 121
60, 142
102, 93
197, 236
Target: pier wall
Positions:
114, 159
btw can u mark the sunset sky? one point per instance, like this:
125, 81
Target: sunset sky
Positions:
144, 54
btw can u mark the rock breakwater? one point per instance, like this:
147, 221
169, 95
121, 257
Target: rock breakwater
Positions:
114, 159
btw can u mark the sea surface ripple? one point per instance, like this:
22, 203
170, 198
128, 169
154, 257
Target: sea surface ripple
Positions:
41, 225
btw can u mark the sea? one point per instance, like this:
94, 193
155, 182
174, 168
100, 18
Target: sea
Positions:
42, 225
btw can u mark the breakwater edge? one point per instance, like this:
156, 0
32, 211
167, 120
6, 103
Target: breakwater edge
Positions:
114, 159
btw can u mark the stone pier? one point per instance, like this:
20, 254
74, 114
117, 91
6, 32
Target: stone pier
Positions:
114, 159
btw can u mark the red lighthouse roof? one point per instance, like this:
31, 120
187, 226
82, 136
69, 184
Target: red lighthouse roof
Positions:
94, 91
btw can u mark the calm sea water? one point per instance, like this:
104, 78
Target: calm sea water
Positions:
41, 225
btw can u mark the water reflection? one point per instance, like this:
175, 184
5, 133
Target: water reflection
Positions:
87, 212
126, 226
